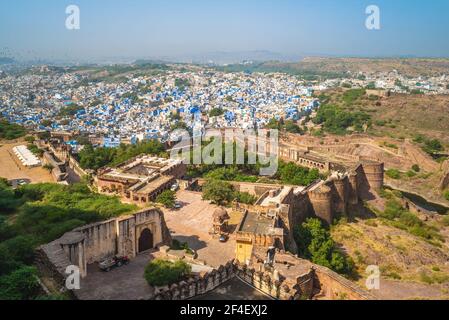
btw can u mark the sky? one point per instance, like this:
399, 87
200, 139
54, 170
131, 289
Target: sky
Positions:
157, 28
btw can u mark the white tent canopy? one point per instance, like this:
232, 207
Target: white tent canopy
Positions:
25, 156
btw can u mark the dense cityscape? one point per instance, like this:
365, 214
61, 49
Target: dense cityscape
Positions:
134, 108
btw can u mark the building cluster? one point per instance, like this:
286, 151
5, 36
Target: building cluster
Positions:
139, 107
145, 107
270, 221
391, 81
141, 179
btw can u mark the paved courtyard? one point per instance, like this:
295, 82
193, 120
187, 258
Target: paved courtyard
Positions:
124, 283
192, 224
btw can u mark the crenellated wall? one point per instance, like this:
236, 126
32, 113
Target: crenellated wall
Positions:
312, 282
196, 285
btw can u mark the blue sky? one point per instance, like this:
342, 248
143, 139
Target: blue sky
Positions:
151, 28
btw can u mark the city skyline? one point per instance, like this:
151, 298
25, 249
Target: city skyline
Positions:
179, 31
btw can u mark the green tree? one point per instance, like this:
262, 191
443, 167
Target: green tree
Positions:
219, 192
167, 198
315, 243
20, 248
292, 127
290, 173
163, 272
70, 110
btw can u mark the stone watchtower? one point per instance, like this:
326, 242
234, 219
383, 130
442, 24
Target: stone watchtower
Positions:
321, 202
374, 174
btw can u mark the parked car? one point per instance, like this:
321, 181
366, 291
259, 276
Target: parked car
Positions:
178, 205
174, 187
223, 238
108, 264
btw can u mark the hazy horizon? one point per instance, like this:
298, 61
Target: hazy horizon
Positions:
199, 30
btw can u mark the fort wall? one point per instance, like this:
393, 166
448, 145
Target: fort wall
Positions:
122, 236
314, 282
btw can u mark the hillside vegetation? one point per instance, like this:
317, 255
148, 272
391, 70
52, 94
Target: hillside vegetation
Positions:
400, 116
10, 131
36, 214
407, 247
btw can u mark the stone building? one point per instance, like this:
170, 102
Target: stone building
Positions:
257, 229
304, 158
122, 236
141, 179
288, 206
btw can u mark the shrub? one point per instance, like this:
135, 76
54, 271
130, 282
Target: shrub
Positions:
163, 272
446, 195
393, 173
411, 174
178, 245
20, 284
405, 220
245, 198
416, 168
20, 248
445, 220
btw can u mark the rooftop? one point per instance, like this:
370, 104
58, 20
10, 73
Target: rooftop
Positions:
257, 224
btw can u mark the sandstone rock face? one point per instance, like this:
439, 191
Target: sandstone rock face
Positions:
445, 179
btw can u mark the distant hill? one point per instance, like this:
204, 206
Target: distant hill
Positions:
339, 67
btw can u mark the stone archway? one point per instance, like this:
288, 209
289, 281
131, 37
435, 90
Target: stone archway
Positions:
145, 240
